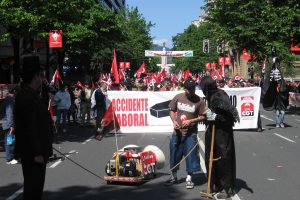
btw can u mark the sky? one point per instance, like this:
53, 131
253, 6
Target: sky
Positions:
169, 16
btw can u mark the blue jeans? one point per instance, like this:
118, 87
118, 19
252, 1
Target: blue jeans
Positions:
63, 113
279, 116
182, 146
9, 149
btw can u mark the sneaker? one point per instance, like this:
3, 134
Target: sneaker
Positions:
259, 130
277, 126
189, 185
282, 125
171, 181
64, 130
12, 162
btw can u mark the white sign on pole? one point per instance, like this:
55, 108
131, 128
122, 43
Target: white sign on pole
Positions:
149, 53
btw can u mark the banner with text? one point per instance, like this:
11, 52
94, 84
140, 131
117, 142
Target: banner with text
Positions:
148, 111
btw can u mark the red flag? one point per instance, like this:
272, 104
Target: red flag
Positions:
228, 60
109, 122
122, 65
245, 55
56, 77
213, 66
141, 70
93, 85
173, 78
221, 61
79, 84
180, 75
215, 75
50, 108
114, 69
208, 66
122, 74
127, 65
163, 73
187, 74
158, 78
222, 71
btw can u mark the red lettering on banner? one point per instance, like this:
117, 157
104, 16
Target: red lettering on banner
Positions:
130, 120
133, 119
132, 104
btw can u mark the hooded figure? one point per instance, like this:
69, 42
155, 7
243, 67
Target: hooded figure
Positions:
275, 93
223, 115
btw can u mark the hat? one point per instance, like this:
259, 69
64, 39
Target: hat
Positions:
189, 84
31, 64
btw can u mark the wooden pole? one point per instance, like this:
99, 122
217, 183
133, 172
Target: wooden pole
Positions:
208, 193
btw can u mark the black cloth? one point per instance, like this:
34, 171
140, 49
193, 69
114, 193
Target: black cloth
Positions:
100, 100
33, 125
33, 129
223, 174
34, 179
272, 98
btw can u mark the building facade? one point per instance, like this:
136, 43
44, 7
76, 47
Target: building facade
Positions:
114, 5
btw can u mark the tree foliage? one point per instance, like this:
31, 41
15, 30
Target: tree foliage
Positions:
192, 39
256, 26
90, 30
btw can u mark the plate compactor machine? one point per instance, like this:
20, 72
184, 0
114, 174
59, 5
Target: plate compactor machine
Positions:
134, 164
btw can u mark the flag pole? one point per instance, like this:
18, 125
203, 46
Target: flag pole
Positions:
116, 139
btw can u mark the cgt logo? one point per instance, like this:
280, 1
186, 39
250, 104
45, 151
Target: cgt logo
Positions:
247, 109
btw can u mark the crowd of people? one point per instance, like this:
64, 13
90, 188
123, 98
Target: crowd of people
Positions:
28, 120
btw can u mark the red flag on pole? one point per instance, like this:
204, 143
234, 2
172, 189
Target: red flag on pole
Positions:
215, 75
56, 77
208, 66
246, 55
79, 84
187, 74
122, 74
141, 70
213, 66
114, 69
228, 60
109, 122
221, 61
50, 108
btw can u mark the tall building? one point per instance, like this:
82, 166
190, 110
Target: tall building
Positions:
114, 5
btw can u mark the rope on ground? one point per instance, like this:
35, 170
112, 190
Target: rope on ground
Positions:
79, 165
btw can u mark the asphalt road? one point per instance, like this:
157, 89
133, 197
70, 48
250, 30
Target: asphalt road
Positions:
267, 166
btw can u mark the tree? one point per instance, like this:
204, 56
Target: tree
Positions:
137, 37
192, 39
256, 26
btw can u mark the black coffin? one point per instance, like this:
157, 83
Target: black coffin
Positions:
160, 109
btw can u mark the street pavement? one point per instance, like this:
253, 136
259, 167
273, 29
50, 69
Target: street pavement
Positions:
267, 166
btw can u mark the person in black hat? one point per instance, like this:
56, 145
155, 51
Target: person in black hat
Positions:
33, 129
186, 110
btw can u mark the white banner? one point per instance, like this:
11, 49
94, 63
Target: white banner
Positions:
148, 111
149, 53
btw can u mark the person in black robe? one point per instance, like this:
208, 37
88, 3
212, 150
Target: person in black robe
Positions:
275, 93
223, 115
